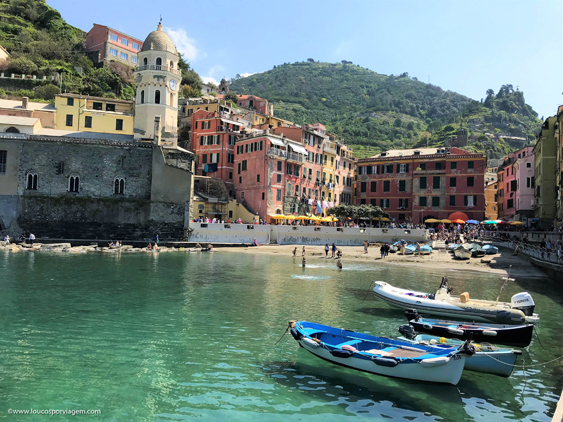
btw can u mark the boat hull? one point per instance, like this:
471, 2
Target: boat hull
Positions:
462, 253
515, 335
496, 362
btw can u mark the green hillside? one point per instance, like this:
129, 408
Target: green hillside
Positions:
41, 43
373, 112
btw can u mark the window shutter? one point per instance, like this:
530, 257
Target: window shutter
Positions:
407, 167
406, 201
398, 168
465, 200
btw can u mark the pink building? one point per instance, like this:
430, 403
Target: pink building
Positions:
106, 44
252, 102
516, 188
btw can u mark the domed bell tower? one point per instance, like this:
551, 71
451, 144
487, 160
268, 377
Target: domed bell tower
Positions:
158, 79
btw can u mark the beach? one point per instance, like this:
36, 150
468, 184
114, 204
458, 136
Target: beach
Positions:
439, 259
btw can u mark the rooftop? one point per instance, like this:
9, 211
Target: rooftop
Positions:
119, 32
17, 104
88, 97
18, 121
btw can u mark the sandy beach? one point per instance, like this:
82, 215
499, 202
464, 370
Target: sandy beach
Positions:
439, 259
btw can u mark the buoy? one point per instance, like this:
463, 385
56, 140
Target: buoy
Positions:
456, 331
489, 333
310, 343
443, 340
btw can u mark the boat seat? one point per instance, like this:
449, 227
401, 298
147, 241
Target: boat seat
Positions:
380, 352
311, 331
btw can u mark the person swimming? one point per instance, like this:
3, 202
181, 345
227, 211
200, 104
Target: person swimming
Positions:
339, 264
303, 262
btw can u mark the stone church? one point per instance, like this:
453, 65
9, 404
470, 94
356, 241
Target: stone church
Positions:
87, 185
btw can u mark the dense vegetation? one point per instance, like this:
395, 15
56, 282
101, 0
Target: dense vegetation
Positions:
41, 43
373, 112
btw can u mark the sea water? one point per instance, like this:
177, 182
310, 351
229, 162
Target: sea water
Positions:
178, 336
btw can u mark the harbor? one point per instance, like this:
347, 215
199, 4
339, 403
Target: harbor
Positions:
181, 335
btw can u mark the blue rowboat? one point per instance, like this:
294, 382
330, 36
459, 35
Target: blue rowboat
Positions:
381, 355
488, 359
490, 249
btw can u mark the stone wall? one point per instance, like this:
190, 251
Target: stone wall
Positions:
68, 217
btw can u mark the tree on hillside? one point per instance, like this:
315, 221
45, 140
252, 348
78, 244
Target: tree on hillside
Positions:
231, 96
311, 60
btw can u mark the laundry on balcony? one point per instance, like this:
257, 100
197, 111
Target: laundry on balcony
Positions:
319, 210
210, 168
331, 204
324, 205
310, 201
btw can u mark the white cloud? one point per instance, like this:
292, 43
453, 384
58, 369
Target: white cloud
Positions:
208, 79
184, 44
246, 75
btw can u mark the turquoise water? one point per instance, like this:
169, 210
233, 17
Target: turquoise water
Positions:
175, 337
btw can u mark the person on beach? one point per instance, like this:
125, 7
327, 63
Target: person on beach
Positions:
366, 245
303, 251
418, 249
149, 247
382, 251
156, 239
326, 250
339, 264
303, 262
155, 247
294, 251
255, 243
339, 254
333, 250
31, 238
387, 248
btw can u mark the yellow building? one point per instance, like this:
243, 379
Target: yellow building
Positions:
94, 114
328, 174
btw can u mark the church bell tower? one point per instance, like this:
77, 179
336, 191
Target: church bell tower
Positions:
158, 79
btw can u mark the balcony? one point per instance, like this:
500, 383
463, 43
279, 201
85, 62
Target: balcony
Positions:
289, 156
164, 68
329, 148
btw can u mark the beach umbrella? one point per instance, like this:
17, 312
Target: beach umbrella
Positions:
384, 219
375, 218
458, 221
290, 217
326, 220
277, 216
517, 223
489, 222
314, 218
432, 220
445, 220
472, 222
458, 216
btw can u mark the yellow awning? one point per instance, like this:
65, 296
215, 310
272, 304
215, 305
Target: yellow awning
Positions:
432, 220
290, 217
445, 220
384, 219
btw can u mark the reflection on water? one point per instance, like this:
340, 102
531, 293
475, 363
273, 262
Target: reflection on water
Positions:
162, 337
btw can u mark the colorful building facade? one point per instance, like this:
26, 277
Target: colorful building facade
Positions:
491, 210
545, 194
106, 44
417, 184
559, 175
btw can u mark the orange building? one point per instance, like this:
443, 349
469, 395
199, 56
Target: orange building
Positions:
491, 205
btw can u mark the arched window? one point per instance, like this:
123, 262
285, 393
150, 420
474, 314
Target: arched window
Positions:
12, 129
278, 211
145, 61
143, 96
31, 181
158, 63
119, 186
171, 64
157, 97
73, 183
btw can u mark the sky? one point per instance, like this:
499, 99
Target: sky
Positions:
462, 46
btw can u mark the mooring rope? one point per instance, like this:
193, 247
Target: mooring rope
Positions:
368, 289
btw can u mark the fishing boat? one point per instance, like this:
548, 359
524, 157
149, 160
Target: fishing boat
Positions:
380, 355
488, 359
461, 252
490, 249
510, 335
476, 250
520, 310
413, 249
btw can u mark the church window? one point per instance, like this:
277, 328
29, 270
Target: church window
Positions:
118, 124
31, 181
3, 160
119, 186
73, 183
145, 61
158, 62
143, 96
12, 129
171, 64
157, 97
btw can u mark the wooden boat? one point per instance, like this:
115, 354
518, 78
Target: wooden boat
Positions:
510, 335
488, 359
462, 253
518, 311
380, 355
476, 250
490, 249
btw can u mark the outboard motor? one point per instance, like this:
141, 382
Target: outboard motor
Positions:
407, 332
412, 314
523, 302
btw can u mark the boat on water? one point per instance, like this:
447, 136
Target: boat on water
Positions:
460, 252
509, 335
488, 359
490, 249
380, 355
520, 310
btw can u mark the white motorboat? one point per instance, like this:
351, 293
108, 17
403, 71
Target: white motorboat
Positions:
520, 310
